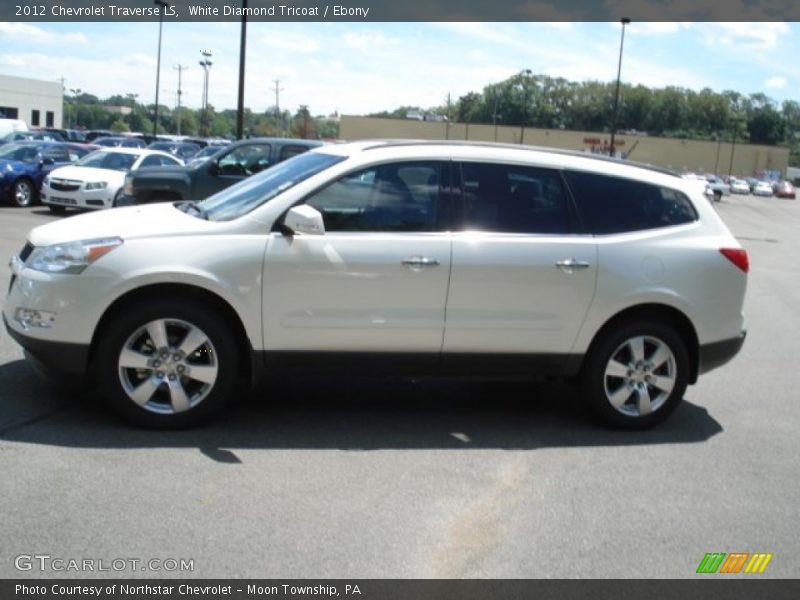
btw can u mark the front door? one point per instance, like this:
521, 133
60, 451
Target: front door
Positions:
376, 280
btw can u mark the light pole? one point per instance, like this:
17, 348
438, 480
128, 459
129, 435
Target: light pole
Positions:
527, 73
206, 64
736, 122
242, 47
624, 21
75, 92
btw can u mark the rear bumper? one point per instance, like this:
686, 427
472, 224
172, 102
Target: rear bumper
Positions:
718, 353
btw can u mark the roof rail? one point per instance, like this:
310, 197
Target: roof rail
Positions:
383, 143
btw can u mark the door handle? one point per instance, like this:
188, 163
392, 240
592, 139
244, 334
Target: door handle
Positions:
570, 263
416, 262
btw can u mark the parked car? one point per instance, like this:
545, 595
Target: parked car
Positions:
23, 166
120, 142
96, 180
182, 150
71, 135
763, 188
785, 189
739, 186
349, 256
97, 133
718, 187
31, 135
236, 162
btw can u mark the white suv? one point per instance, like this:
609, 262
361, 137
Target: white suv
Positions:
447, 258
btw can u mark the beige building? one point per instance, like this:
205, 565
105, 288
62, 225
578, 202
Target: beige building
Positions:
681, 155
38, 103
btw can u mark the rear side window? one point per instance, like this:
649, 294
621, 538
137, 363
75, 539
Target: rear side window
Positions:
513, 199
616, 205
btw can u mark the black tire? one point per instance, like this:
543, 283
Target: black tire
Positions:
640, 384
717, 196
115, 201
57, 210
24, 193
161, 382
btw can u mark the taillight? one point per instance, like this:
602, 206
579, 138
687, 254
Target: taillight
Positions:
737, 256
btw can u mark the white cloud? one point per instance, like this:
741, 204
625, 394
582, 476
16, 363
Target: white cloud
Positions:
293, 43
489, 32
363, 41
656, 27
31, 33
747, 36
776, 82
561, 25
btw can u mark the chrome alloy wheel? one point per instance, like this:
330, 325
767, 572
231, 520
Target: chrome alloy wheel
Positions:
640, 376
23, 193
168, 366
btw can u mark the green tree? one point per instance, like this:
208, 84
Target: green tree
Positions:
119, 126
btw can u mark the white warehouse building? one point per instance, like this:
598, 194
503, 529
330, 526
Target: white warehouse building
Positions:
38, 103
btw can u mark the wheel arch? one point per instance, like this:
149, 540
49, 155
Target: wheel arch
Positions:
188, 293
663, 314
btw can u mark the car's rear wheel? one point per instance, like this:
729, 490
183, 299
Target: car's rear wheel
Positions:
168, 364
636, 375
24, 193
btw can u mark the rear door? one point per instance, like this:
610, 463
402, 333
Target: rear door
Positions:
522, 277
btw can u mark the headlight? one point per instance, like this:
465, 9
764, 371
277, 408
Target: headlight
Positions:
96, 185
71, 257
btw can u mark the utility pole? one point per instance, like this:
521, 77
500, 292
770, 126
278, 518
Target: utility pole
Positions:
180, 69
447, 119
63, 91
278, 90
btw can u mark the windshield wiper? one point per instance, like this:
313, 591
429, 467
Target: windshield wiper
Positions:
193, 208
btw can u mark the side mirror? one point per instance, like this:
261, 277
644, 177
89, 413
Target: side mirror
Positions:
47, 160
304, 219
213, 167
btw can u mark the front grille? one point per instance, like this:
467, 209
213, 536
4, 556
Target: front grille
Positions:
64, 185
26, 251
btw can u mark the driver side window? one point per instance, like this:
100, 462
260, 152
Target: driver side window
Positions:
391, 197
245, 160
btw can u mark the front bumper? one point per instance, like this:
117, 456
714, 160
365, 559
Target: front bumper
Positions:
717, 354
54, 358
96, 199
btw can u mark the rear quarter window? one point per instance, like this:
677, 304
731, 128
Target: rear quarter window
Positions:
617, 205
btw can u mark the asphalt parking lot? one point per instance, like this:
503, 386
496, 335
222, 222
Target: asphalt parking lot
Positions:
375, 479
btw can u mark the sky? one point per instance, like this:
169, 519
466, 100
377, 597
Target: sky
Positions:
358, 68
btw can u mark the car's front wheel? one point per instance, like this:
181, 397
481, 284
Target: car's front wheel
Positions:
636, 375
24, 193
167, 364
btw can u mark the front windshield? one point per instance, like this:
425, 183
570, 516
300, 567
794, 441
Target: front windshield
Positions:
22, 152
115, 161
240, 199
